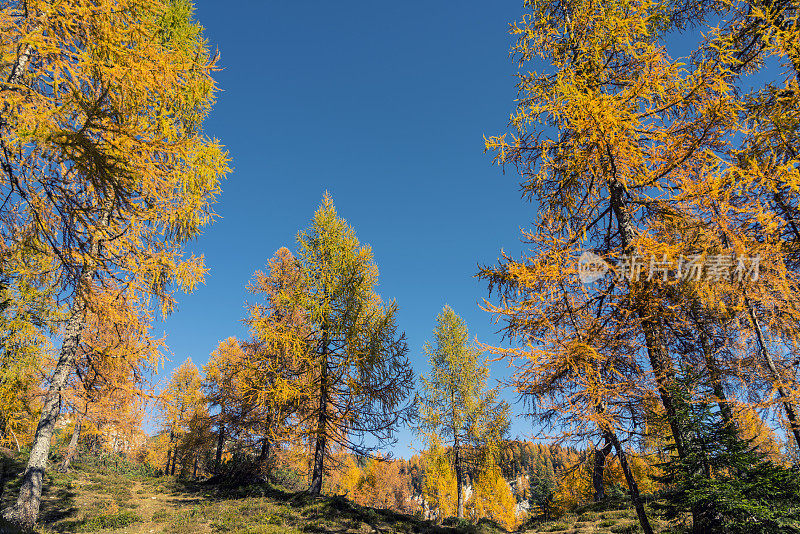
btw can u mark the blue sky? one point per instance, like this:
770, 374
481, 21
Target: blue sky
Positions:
385, 105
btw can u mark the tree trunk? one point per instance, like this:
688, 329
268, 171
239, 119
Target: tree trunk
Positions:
220, 445
459, 479
789, 408
26, 511
16, 441
194, 468
263, 458
633, 488
72, 448
664, 376
171, 452
716, 380
659, 361
266, 443
600, 455
319, 455
322, 423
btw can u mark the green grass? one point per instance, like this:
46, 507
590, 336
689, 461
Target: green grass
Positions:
607, 518
90, 498
109, 521
125, 499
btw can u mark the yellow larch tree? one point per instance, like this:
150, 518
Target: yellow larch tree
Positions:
29, 318
492, 498
180, 406
456, 406
356, 361
110, 387
222, 390
105, 160
678, 176
439, 486
615, 142
279, 353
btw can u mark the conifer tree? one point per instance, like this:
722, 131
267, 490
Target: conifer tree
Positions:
732, 484
542, 487
491, 497
222, 392
455, 403
439, 484
181, 404
29, 316
104, 160
279, 352
639, 156
357, 365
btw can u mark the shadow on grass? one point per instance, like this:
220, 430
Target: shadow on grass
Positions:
58, 504
326, 514
12, 464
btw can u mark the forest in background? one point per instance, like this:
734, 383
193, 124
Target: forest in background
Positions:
651, 323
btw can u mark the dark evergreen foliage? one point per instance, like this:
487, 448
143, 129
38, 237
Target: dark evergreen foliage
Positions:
728, 485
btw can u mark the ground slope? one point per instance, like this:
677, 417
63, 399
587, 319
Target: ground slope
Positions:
105, 499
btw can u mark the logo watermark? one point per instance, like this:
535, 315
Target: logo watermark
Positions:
591, 267
714, 267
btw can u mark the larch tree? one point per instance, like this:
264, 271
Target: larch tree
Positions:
279, 352
358, 364
439, 483
492, 498
104, 161
455, 404
259, 388
109, 388
653, 163
28, 319
605, 137
180, 404
222, 392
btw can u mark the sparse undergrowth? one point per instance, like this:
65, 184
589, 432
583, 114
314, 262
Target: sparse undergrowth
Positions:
84, 500
609, 518
117, 501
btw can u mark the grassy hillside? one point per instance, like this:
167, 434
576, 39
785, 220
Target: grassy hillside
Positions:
107, 498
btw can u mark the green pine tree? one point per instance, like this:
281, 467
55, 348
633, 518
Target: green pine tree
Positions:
542, 488
725, 482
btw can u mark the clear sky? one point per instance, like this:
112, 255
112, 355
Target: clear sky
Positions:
385, 105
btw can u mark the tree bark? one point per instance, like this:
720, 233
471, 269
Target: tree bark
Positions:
659, 361
169, 459
459, 479
266, 445
322, 423
26, 511
633, 488
171, 452
716, 380
72, 448
789, 408
220, 445
600, 455
16, 441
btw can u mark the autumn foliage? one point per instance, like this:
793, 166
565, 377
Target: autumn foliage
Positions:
657, 141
